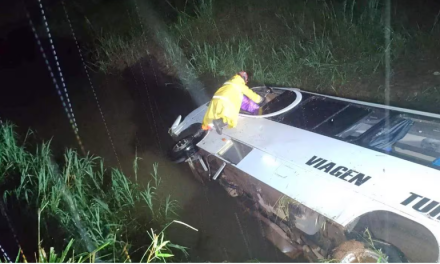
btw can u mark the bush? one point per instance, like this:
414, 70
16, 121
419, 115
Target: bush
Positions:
102, 210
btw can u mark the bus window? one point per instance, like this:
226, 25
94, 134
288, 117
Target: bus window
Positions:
388, 134
362, 125
422, 142
342, 120
279, 102
311, 112
234, 151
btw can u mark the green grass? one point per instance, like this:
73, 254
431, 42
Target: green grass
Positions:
67, 255
303, 44
383, 258
106, 213
320, 46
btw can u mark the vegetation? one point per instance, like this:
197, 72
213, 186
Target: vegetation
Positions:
106, 215
53, 257
298, 46
325, 46
369, 244
383, 258
284, 203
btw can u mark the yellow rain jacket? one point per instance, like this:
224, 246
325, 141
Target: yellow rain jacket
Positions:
226, 102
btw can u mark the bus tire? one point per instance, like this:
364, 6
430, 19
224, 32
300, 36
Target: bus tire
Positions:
182, 150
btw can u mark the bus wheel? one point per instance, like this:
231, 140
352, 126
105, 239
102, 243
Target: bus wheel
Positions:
354, 251
185, 147
182, 150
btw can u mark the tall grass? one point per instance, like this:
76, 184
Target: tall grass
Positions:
306, 43
314, 43
78, 198
67, 255
332, 47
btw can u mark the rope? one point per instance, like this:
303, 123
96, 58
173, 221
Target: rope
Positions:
91, 83
387, 33
151, 66
5, 255
56, 61
151, 106
49, 68
145, 83
157, 85
14, 234
142, 101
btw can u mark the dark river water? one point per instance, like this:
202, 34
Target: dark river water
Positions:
137, 114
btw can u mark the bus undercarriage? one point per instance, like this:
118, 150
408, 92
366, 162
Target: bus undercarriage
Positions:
292, 227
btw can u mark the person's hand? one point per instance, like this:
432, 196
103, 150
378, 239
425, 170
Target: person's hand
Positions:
269, 90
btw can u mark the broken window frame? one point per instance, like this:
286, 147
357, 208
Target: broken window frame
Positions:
418, 153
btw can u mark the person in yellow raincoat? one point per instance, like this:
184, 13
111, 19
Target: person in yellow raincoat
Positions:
225, 104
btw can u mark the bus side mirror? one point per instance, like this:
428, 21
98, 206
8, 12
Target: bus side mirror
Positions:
175, 124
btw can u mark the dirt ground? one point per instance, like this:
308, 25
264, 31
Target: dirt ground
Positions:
29, 100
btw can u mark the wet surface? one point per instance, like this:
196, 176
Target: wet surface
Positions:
138, 106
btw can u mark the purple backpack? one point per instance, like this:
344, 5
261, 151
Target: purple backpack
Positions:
249, 106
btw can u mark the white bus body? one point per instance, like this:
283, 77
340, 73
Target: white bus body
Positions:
343, 180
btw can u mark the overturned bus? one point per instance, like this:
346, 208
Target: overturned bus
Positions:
323, 173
